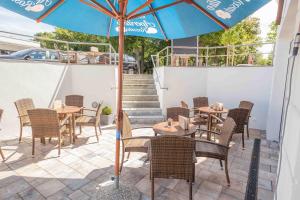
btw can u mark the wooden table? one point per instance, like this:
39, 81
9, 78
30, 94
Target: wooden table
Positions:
163, 129
70, 110
209, 111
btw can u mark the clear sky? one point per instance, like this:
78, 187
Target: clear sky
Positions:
12, 22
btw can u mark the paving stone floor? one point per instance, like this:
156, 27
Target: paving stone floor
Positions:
83, 166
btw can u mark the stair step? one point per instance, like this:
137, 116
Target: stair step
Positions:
146, 119
141, 104
137, 76
143, 111
139, 86
138, 81
140, 98
139, 92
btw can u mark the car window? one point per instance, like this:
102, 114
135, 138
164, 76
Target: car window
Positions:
53, 55
38, 55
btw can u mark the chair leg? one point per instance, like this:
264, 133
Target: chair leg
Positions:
33, 146
80, 128
247, 129
152, 189
96, 132
2, 155
243, 140
191, 190
21, 132
122, 160
59, 144
221, 164
100, 129
226, 171
128, 155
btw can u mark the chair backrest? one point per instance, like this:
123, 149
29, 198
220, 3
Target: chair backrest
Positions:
98, 113
200, 102
183, 104
239, 115
74, 100
174, 112
23, 105
172, 157
127, 130
44, 122
247, 105
227, 131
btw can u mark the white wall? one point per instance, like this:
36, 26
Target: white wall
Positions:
40, 81
288, 174
229, 85
25, 80
94, 82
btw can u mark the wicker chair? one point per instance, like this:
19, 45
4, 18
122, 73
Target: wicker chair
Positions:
172, 157
218, 150
22, 106
91, 120
197, 120
74, 100
1, 153
247, 105
132, 143
240, 116
174, 112
45, 123
199, 102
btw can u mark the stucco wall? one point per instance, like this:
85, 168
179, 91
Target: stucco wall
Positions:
229, 85
288, 174
40, 81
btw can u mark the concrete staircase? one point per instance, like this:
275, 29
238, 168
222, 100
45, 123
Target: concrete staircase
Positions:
140, 100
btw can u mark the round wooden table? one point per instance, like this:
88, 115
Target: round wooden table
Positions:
209, 111
70, 110
163, 129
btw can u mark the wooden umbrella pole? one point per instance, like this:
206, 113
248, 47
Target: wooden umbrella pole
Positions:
119, 101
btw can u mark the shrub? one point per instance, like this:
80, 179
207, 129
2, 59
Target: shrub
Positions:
106, 110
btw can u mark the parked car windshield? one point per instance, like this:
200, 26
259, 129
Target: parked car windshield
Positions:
21, 53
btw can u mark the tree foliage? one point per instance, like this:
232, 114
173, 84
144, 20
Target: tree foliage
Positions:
272, 34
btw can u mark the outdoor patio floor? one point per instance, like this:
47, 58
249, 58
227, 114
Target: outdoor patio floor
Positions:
81, 167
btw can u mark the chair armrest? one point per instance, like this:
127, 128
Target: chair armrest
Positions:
210, 131
137, 138
20, 116
212, 143
89, 109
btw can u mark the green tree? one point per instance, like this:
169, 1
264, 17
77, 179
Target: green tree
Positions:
272, 34
139, 47
245, 32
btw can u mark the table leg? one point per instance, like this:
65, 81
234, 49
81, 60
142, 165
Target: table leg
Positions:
209, 127
73, 127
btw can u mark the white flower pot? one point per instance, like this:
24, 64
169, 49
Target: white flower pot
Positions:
106, 119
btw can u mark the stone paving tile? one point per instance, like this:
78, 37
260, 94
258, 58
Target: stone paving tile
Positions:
82, 166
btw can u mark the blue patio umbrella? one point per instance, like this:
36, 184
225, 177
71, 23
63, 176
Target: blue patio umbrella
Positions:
163, 19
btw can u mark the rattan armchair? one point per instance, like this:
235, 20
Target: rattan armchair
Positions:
45, 123
1, 153
240, 116
199, 102
218, 150
132, 143
172, 157
22, 106
174, 112
198, 119
91, 120
247, 105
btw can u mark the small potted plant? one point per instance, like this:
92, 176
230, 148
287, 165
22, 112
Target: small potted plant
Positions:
106, 117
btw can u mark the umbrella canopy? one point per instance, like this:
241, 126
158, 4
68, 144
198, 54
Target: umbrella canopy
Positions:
164, 19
